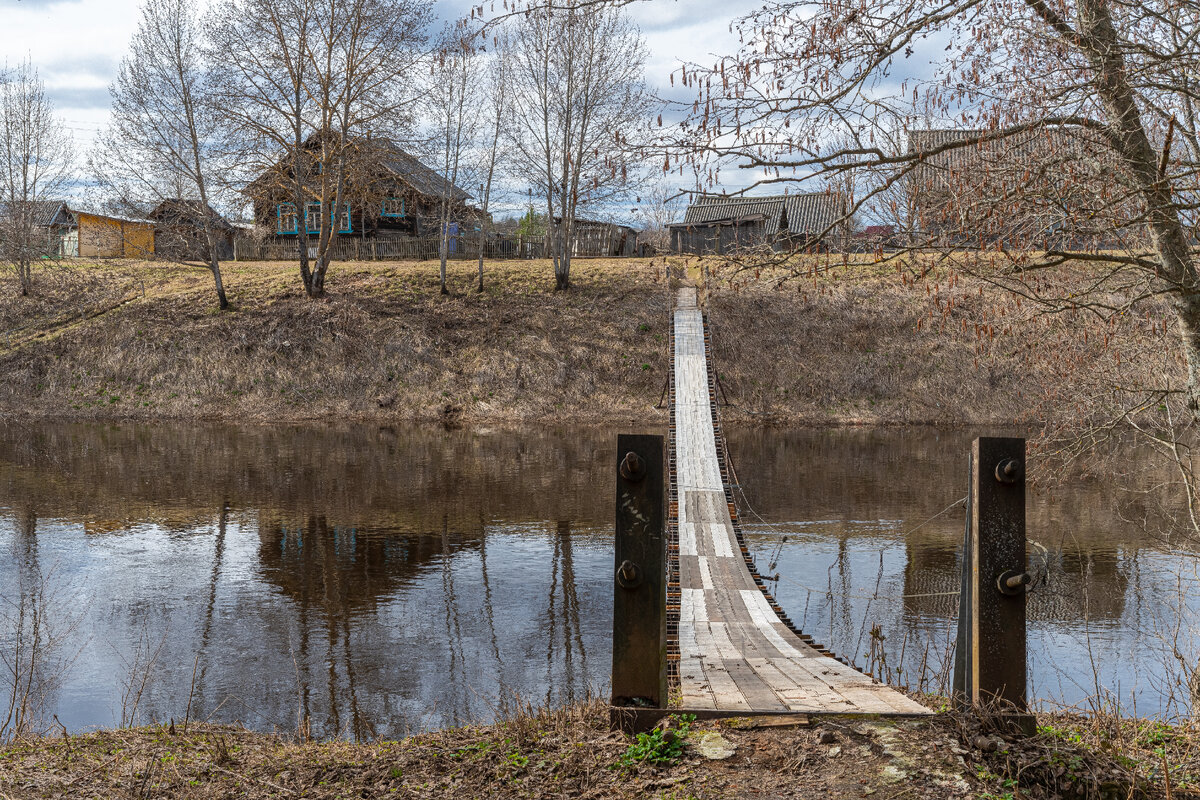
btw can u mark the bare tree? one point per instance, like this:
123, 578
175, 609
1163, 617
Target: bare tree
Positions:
35, 167
164, 143
656, 209
1051, 152
578, 105
452, 103
305, 83
497, 94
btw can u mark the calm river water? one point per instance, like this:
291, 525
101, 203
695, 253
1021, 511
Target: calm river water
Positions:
375, 581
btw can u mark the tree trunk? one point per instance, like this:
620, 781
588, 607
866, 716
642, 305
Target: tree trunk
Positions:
443, 252
1100, 43
222, 301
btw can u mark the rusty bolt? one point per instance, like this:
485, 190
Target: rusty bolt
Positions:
1009, 470
632, 468
1013, 582
628, 575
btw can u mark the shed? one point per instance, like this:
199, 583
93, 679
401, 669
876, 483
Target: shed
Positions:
179, 231
51, 222
102, 236
597, 238
717, 224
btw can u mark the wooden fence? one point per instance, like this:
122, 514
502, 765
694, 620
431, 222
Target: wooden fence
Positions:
418, 249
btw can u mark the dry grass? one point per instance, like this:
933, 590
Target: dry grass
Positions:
384, 345
128, 340
564, 753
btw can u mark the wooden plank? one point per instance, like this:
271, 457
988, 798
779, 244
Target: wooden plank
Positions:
735, 652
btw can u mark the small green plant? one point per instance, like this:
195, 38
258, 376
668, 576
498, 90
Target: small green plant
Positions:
660, 746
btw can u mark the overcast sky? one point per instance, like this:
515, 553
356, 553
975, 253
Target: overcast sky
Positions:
77, 44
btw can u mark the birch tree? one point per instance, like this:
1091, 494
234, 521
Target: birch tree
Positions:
305, 83
497, 88
164, 141
453, 100
578, 105
35, 167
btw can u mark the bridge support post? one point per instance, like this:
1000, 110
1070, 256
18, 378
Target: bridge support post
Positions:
990, 660
639, 665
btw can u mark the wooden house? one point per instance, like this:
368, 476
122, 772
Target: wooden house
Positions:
1040, 188
782, 223
388, 193
179, 231
52, 223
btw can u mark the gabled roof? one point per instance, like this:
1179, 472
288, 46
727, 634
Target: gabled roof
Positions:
45, 212
1012, 156
809, 213
421, 178
390, 157
175, 211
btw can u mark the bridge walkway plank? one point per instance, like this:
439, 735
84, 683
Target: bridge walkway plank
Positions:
735, 651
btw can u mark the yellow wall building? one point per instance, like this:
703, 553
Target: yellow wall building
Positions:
110, 237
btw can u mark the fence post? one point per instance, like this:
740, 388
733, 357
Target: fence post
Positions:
639, 664
990, 661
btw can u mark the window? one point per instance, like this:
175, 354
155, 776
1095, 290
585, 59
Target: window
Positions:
393, 207
285, 218
312, 217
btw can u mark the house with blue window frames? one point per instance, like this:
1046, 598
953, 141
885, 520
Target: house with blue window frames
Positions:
389, 194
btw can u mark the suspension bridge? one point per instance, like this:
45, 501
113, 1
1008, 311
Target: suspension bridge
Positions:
695, 629
730, 645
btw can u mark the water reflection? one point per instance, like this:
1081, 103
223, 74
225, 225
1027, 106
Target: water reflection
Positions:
873, 537
367, 581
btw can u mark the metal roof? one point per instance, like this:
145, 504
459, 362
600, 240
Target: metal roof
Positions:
45, 213
810, 213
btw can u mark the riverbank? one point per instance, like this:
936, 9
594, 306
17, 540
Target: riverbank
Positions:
572, 753
137, 341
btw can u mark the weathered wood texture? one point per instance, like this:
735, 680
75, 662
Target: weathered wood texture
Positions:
639, 660
735, 651
990, 659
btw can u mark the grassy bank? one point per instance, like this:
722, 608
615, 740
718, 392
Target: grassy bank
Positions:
572, 753
128, 340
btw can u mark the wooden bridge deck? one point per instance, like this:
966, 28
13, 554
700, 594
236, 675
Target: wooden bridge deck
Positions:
735, 652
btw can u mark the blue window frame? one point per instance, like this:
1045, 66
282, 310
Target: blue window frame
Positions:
392, 207
285, 218
312, 219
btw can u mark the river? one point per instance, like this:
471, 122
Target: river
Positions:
373, 581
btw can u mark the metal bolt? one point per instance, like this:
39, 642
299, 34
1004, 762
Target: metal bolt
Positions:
628, 575
1013, 582
632, 468
1009, 471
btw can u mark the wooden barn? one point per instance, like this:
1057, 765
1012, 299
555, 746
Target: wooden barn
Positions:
1040, 188
784, 223
594, 238
389, 194
179, 232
